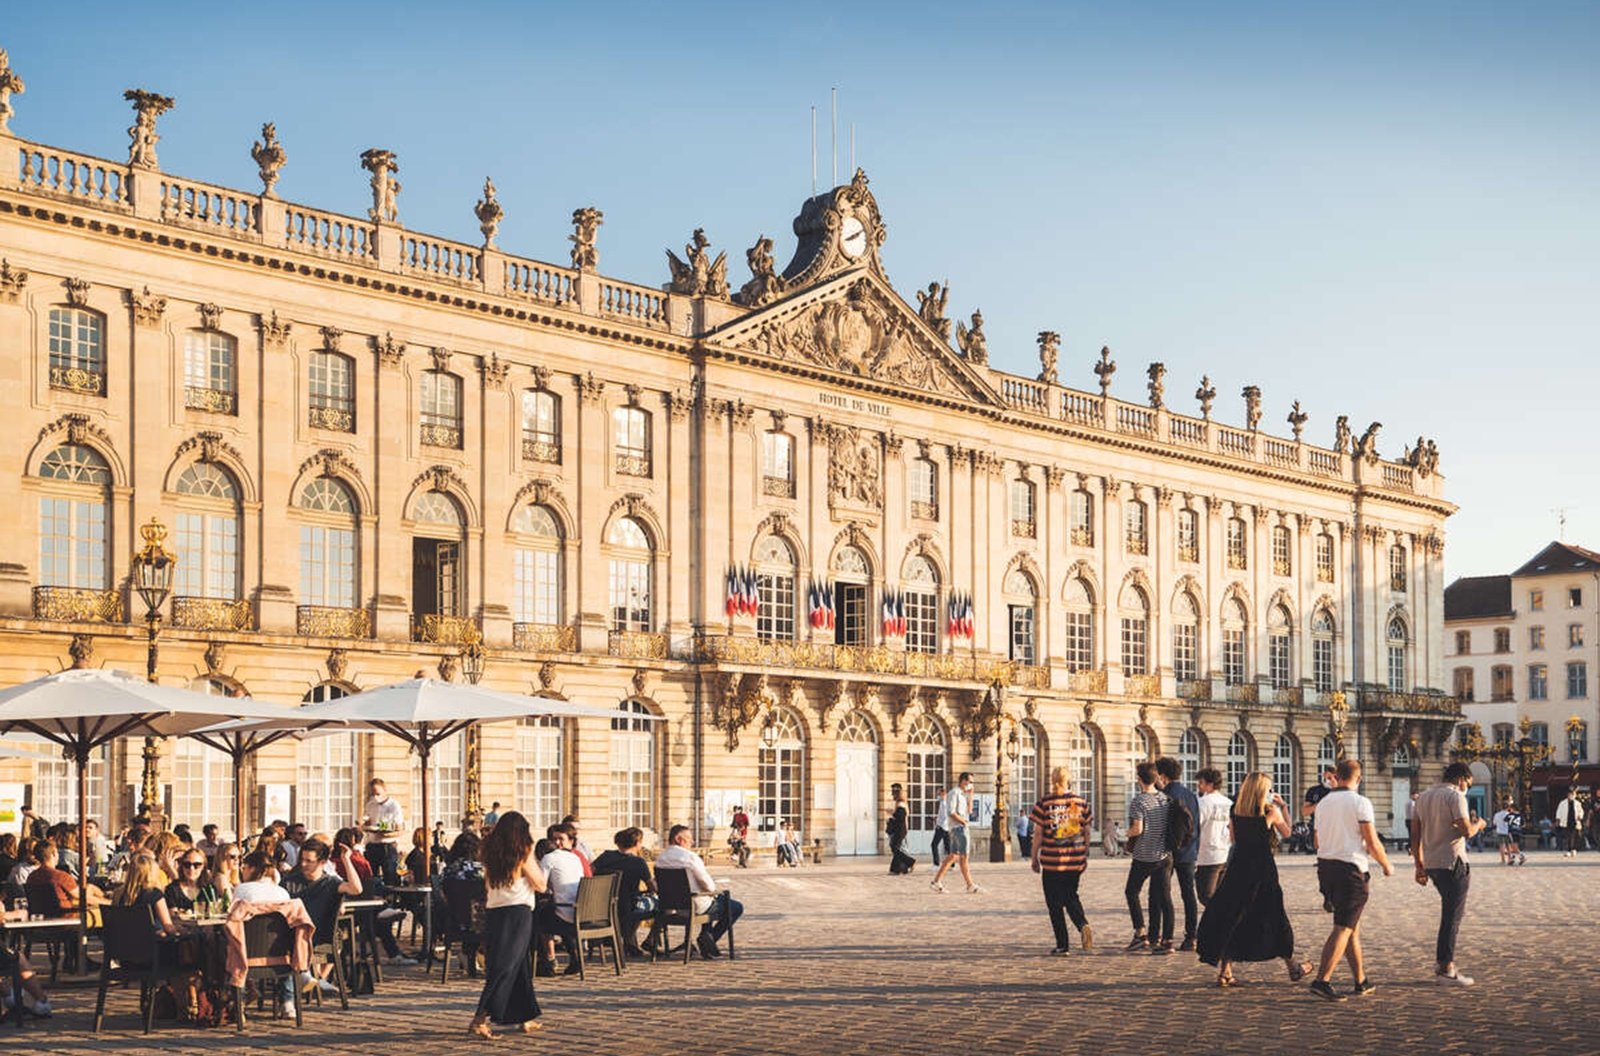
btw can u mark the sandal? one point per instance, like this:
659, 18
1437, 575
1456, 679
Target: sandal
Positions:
480, 1029
531, 1026
1299, 971
1227, 982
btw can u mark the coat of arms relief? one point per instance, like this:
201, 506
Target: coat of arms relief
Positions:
855, 470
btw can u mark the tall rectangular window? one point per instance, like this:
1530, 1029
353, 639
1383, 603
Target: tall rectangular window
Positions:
1463, 643
538, 771
1538, 682
1080, 641
1022, 634
325, 792
630, 441
1233, 656
1188, 535
777, 464
1577, 680
1322, 664
1278, 650
208, 556
922, 621
1462, 686
541, 426
1185, 652
1282, 549
441, 409
77, 351
1536, 600
72, 543
1535, 637
208, 372
924, 489
775, 619
1397, 568
1022, 522
850, 622
1238, 546
327, 566
1080, 515
536, 586
1135, 645
1574, 597
1574, 636
1500, 683
1324, 558
332, 392
1136, 527
1502, 639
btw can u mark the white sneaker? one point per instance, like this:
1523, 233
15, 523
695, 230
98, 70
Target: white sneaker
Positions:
974, 890
391, 914
1455, 978
287, 1008
937, 886
327, 987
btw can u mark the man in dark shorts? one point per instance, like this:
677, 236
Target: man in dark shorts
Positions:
1347, 841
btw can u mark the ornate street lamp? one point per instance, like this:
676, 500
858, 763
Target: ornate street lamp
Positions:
1338, 715
769, 730
994, 711
472, 659
151, 571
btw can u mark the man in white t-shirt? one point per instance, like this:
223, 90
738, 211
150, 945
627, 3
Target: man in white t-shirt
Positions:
383, 819
1215, 813
941, 828
958, 807
563, 871
1347, 842
1502, 831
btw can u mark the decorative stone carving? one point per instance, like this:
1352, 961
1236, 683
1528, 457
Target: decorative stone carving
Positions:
679, 404
1157, 373
77, 292
142, 135
331, 337
148, 308
989, 463
337, 663
385, 188
447, 667
495, 371
390, 351
1207, 395
972, 343
12, 280
269, 156
10, 84
834, 699
214, 655
1049, 350
1164, 496
1053, 476
441, 359
539, 492
1367, 445
211, 447
764, 284
1297, 421
489, 213
77, 428
701, 276
1341, 435
441, 478
639, 682
632, 392
838, 230
1105, 369
742, 414
210, 316
892, 444
547, 676
585, 225
930, 306
1424, 458
274, 334
1261, 514
81, 648
779, 415
1112, 487
1252, 406
330, 462
855, 473
590, 388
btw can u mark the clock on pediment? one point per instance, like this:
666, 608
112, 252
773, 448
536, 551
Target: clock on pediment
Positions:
837, 229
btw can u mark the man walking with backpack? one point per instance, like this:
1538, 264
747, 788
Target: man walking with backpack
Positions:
1060, 853
1183, 837
1152, 861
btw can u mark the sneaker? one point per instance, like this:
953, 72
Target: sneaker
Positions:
1086, 937
1363, 988
37, 1008
1326, 991
391, 914
1060, 951
1164, 947
937, 886
327, 986
1456, 978
306, 980
1139, 942
286, 1008
1522, 859
402, 961
1188, 944
974, 890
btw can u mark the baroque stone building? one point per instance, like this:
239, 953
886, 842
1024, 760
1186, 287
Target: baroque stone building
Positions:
830, 549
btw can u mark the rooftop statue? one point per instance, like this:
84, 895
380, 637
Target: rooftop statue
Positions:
930, 306
585, 225
972, 342
10, 84
142, 134
269, 156
701, 276
764, 284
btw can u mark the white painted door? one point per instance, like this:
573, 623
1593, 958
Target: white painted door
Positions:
1402, 802
856, 820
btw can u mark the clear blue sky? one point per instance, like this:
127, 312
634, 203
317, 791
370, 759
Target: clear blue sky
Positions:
1389, 211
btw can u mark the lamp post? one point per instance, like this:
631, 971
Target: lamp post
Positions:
994, 710
152, 569
472, 657
1338, 715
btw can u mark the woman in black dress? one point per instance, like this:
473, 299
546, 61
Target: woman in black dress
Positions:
1245, 920
512, 878
900, 863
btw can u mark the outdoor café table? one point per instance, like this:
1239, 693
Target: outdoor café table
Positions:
426, 891
15, 932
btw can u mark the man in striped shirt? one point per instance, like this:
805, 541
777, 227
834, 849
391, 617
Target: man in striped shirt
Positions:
1147, 842
1060, 854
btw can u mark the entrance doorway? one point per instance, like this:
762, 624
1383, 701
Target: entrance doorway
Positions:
1402, 802
435, 577
856, 801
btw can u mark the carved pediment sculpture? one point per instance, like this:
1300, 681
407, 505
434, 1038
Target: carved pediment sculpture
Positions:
700, 276
764, 284
972, 343
930, 306
855, 469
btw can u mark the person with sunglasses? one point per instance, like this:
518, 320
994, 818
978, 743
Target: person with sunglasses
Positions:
193, 884
225, 868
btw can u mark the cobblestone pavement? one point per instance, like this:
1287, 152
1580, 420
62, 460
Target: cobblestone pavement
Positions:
841, 958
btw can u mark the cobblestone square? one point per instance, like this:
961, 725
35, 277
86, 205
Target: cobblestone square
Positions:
842, 958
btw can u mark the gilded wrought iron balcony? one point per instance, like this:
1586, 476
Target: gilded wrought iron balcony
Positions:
1194, 689
217, 614
1141, 686
1324, 573
77, 604
1087, 681
925, 511
1237, 561
216, 401
325, 621
1190, 552
77, 379
1413, 703
1082, 536
544, 637
440, 434
1289, 696
437, 629
1023, 528
633, 465
637, 645
780, 487
1030, 676
1281, 567
1244, 693
338, 417
1136, 544
1397, 583
540, 447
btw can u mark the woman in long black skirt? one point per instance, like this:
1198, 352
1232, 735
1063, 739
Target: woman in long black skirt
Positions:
1245, 919
512, 878
900, 863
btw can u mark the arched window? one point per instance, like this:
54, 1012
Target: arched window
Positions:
1135, 613
852, 579
1324, 558
1285, 764
1238, 544
1080, 518
1322, 650
921, 599
924, 488
1397, 644
630, 576
1022, 509
1282, 550
925, 772
73, 512
325, 788
1136, 527
210, 372
630, 441
202, 776
1085, 754
1234, 661
328, 545
1030, 762
437, 578
78, 351
856, 728
1397, 568
1185, 638
1078, 615
332, 390
633, 767
208, 534
1188, 536
441, 409
447, 768
1279, 654
1022, 605
1190, 754
1327, 755
1402, 759
1237, 762
780, 773
536, 567
537, 791
541, 427
775, 590
777, 464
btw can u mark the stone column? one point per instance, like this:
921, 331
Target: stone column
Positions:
591, 509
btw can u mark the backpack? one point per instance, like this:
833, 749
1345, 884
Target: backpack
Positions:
1180, 825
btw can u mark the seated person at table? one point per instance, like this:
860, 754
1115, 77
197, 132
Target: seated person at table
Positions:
65, 837
27, 862
416, 876
142, 887
225, 868
33, 995
166, 847
260, 884
554, 918
193, 884
8, 855
636, 894
133, 840
208, 844
320, 892
678, 856
348, 841
49, 885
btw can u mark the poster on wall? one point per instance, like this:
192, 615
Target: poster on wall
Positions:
983, 809
277, 801
12, 796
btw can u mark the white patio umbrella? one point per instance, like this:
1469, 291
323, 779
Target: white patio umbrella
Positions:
81, 709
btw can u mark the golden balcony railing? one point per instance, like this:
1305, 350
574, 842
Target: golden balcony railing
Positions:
1142, 686
1029, 676
217, 401
77, 604
544, 637
1194, 689
338, 418
326, 621
633, 465
1087, 681
1324, 573
1189, 553
1023, 527
1135, 544
1397, 584
637, 645
780, 487
1237, 561
1289, 696
537, 448
1243, 693
925, 511
215, 614
437, 629
77, 379
1081, 536
1415, 703
1281, 566
438, 434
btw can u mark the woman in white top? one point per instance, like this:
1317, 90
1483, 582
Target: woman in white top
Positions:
512, 878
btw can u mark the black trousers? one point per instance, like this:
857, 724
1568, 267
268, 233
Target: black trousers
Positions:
940, 836
507, 995
1062, 901
385, 861
1186, 891
900, 862
1206, 879
1026, 843
1452, 886
1160, 876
